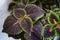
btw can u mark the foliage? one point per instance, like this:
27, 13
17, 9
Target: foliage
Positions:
29, 21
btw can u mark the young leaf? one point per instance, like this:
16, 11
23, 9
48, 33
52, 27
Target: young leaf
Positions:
53, 19
48, 32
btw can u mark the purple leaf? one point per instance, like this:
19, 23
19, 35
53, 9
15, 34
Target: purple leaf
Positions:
48, 32
26, 25
34, 11
53, 19
37, 29
19, 13
11, 26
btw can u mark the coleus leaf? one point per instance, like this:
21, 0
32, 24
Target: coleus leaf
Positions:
48, 32
18, 13
32, 37
34, 12
53, 18
37, 29
35, 33
27, 24
11, 26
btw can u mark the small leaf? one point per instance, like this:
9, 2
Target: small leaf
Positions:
48, 32
11, 26
17, 13
53, 19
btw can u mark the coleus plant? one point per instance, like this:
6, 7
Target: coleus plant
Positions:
23, 20
50, 22
29, 22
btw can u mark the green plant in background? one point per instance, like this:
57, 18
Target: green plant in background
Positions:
29, 22
50, 29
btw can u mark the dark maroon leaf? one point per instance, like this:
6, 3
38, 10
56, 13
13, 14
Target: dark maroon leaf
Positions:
11, 26
19, 13
53, 19
34, 11
37, 29
26, 25
48, 32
